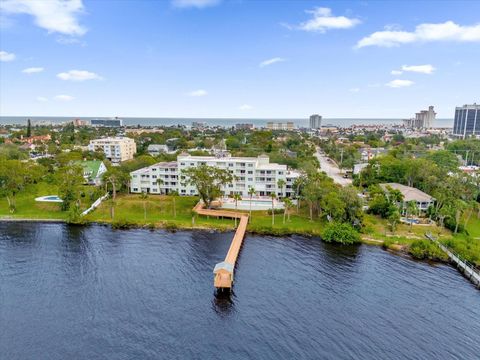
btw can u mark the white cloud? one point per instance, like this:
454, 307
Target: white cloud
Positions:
33, 70
199, 4
78, 75
354, 90
271, 61
53, 15
323, 20
197, 93
245, 107
6, 56
398, 83
64, 98
397, 72
423, 69
447, 31
42, 99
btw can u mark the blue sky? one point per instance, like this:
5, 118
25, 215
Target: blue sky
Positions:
249, 59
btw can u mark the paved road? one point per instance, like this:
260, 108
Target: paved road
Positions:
332, 170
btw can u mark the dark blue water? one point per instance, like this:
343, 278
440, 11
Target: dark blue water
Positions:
93, 293
226, 122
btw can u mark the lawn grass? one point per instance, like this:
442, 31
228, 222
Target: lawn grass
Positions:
28, 208
467, 246
130, 209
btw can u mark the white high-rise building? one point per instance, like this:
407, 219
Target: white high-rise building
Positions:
422, 120
315, 121
116, 149
250, 172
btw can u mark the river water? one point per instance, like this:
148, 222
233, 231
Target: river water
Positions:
95, 293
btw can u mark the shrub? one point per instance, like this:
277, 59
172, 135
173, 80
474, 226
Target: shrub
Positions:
341, 233
426, 250
122, 224
275, 211
171, 226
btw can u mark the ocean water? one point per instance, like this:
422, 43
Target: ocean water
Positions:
73, 292
227, 122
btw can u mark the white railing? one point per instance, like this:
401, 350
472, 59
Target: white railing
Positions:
94, 205
468, 269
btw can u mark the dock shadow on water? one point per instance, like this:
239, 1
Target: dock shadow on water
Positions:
223, 302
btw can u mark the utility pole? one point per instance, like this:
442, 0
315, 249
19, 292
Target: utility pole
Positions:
341, 161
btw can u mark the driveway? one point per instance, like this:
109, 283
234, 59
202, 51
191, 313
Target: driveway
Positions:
332, 169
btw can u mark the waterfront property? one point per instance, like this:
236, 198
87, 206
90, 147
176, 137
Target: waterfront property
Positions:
93, 171
116, 149
315, 121
250, 172
423, 200
422, 120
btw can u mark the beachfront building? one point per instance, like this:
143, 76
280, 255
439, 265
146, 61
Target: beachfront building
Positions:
250, 172
422, 120
467, 121
315, 121
289, 125
423, 200
116, 149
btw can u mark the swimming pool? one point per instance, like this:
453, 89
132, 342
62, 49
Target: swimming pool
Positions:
257, 204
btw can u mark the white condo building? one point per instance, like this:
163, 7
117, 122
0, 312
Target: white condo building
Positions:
315, 121
250, 172
422, 120
116, 149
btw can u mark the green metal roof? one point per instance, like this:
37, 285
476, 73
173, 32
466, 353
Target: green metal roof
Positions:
91, 167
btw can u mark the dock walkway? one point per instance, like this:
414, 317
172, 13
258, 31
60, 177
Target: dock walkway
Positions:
223, 271
467, 269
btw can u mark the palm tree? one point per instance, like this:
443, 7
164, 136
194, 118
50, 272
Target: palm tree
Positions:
174, 194
236, 197
144, 197
287, 204
159, 183
281, 183
411, 209
273, 196
251, 192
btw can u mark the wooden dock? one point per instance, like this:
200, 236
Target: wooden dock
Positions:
223, 271
467, 269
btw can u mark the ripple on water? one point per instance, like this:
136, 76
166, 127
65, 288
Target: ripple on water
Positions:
95, 293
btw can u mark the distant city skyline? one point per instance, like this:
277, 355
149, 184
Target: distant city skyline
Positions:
220, 59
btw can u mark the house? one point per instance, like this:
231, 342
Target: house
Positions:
93, 171
157, 149
423, 200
